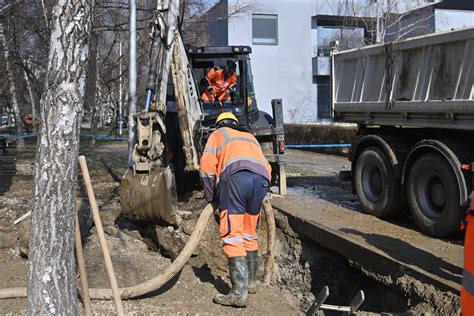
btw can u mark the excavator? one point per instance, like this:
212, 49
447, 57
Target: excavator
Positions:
175, 122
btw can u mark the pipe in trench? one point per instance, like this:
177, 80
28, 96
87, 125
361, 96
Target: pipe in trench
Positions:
176, 266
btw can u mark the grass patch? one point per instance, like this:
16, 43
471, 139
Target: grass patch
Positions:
291, 169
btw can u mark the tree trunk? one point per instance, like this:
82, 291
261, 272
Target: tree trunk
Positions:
51, 273
20, 142
132, 81
32, 100
91, 86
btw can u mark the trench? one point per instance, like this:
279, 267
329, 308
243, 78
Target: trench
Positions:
305, 267
302, 267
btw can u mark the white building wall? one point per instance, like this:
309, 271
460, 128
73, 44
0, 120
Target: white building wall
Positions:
283, 70
446, 20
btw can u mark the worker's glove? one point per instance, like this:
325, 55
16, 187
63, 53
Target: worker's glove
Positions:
213, 93
234, 95
217, 215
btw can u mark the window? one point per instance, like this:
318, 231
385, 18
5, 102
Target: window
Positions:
228, 88
348, 37
324, 98
265, 29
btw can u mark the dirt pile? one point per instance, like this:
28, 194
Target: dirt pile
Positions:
143, 250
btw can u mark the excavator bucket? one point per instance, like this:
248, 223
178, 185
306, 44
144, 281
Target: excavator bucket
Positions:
150, 196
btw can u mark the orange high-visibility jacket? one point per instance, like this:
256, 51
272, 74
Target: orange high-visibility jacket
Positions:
227, 151
221, 87
467, 289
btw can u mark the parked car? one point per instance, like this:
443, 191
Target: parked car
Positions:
28, 120
123, 120
5, 120
85, 117
108, 120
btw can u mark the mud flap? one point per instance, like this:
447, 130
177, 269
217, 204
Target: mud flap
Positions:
150, 196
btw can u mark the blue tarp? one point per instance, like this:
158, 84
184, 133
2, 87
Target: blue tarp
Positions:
82, 135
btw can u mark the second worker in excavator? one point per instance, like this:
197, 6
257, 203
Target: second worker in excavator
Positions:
220, 84
236, 175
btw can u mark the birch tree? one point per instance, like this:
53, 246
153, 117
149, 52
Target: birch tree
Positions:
32, 99
91, 86
51, 273
20, 142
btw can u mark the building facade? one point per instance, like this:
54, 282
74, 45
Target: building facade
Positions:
280, 35
290, 40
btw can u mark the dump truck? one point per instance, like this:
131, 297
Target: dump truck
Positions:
173, 127
413, 103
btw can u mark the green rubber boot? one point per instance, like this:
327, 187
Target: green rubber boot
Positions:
238, 277
252, 265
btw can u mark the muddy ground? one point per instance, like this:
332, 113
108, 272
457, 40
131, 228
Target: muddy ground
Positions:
140, 251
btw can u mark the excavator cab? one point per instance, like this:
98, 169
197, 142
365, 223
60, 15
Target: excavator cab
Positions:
234, 92
238, 96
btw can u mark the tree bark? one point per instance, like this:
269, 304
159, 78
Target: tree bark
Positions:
32, 100
132, 81
51, 273
20, 142
91, 86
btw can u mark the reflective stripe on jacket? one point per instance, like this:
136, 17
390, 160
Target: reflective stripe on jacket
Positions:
228, 151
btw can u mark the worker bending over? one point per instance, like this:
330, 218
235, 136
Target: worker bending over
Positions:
235, 173
220, 83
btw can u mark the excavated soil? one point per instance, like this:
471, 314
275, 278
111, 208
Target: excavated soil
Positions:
140, 251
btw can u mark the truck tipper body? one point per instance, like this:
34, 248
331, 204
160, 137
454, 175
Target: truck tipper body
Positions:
413, 101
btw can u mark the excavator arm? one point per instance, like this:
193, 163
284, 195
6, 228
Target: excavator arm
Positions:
187, 101
148, 189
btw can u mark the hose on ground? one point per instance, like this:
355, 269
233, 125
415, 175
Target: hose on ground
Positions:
158, 281
15, 292
271, 231
176, 266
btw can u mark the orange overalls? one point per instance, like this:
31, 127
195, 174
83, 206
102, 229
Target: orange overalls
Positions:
234, 167
221, 85
467, 289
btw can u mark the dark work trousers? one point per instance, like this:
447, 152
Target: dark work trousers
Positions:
240, 201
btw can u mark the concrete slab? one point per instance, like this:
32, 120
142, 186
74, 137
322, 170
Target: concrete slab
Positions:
389, 250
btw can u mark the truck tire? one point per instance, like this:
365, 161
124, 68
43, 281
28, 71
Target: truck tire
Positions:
433, 196
377, 189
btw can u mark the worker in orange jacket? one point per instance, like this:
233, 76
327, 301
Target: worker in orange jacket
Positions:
235, 173
467, 289
220, 83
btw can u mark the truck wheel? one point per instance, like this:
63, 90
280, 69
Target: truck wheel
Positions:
377, 190
433, 196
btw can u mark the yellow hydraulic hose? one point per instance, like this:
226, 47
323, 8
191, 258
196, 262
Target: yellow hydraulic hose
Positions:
158, 281
271, 235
